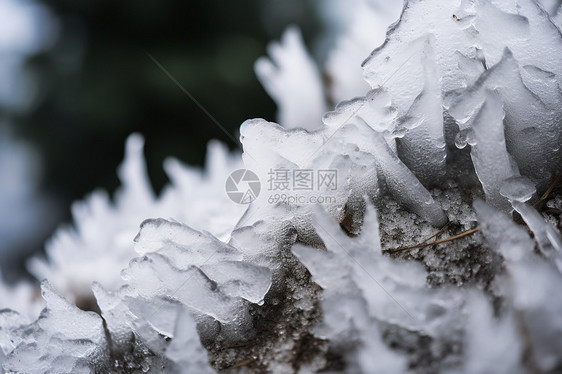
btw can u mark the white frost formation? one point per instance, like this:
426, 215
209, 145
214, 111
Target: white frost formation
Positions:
292, 79
99, 245
366, 292
364, 24
64, 339
506, 46
465, 103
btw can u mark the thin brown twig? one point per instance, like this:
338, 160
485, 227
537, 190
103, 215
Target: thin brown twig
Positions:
243, 363
549, 191
422, 245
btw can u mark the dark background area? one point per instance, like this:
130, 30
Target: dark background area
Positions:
97, 85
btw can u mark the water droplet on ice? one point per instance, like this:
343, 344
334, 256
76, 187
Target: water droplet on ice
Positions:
461, 139
145, 367
518, 189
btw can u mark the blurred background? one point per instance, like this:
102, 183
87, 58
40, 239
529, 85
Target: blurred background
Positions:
76, 80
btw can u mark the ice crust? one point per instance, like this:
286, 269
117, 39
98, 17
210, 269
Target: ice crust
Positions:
370, 300
197, 270
489, 154
63, 339
184, 281
362, 165
441, 84
472, 55
518, 189
100, 243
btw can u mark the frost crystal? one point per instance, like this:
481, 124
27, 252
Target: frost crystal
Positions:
531, 282
483, 45
549, 241
100, 244
63, 339
293, 80
364, 24
489, 155
370, 298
